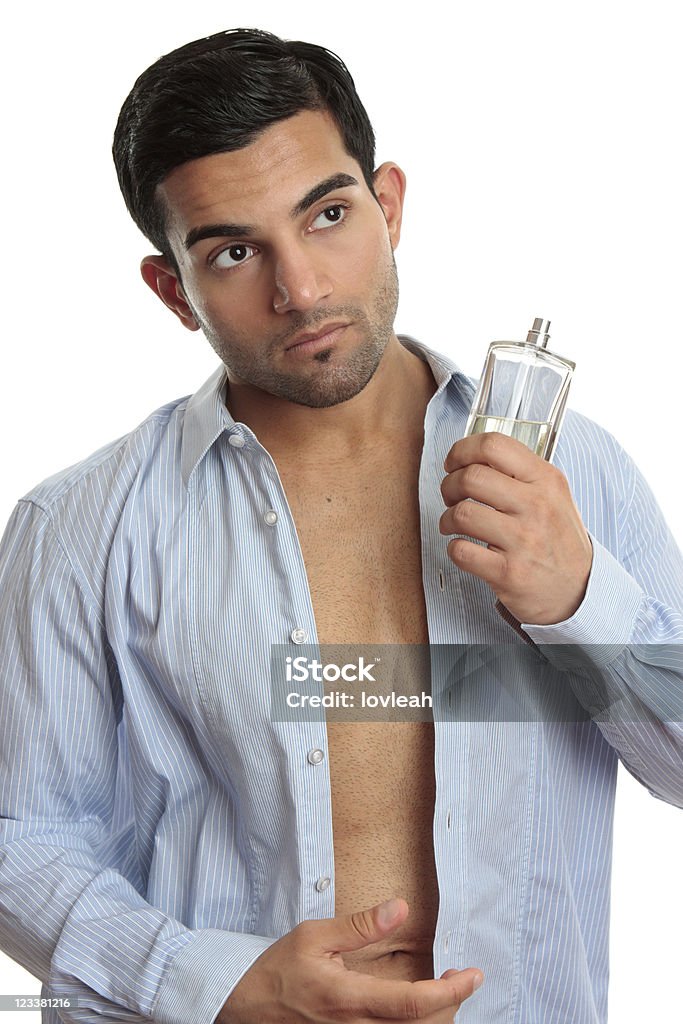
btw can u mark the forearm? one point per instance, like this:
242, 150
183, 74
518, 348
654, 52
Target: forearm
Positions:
72, 908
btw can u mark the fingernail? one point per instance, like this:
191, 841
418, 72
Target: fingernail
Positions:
478, 981
387, 912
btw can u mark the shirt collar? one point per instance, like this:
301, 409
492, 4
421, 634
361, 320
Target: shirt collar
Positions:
207, 416
443, 368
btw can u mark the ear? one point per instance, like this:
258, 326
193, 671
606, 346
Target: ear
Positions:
158, 273
390, 187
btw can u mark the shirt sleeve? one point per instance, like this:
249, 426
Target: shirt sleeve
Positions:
71, 909
623, 646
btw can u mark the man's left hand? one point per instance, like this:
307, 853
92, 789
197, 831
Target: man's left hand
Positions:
539, 554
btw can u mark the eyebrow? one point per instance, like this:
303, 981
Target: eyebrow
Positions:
245, 230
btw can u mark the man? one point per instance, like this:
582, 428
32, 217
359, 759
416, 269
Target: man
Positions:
172, 852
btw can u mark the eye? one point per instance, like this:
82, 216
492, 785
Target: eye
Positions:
330, 216
233, 256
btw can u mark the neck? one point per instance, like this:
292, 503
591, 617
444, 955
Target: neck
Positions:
390, 406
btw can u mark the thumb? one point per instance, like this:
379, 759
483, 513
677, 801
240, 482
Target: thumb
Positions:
354, 931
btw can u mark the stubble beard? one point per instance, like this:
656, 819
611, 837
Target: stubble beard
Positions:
334, 379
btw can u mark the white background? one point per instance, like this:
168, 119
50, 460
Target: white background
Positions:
542, 147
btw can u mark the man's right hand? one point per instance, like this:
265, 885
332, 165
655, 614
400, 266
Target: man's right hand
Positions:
302, 978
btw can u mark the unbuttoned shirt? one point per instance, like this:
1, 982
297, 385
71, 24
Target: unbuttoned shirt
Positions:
159, 830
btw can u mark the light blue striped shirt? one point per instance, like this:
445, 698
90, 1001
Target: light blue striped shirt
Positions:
159, 830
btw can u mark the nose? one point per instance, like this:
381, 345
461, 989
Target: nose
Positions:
300, 284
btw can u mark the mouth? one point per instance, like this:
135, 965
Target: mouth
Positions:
315, 341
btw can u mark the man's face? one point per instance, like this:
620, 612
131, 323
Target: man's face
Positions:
283, 240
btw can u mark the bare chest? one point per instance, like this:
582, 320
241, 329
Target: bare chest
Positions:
360, 541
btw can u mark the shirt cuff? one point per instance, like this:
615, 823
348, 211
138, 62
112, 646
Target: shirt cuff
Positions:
204, 973
605, 619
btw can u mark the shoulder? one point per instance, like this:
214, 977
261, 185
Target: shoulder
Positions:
80, 509
585, 448
116, 464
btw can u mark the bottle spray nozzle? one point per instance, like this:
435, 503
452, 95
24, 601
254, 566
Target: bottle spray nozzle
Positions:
539, 334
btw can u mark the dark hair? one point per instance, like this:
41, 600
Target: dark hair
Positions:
218, 94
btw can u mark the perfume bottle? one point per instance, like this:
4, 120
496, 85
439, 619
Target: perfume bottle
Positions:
523, 391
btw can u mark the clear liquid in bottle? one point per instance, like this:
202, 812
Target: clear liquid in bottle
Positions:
533, 434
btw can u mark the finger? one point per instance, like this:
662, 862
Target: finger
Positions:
447, 1016
410, 1000
487, 485
499, 451
488, 564
352, 931
481, 522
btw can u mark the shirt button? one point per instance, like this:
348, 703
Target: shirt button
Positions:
236, 440
270, 517
315, 756
322, 884
446, 942
299, 636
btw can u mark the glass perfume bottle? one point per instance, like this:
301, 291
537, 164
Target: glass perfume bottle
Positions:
523, 391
